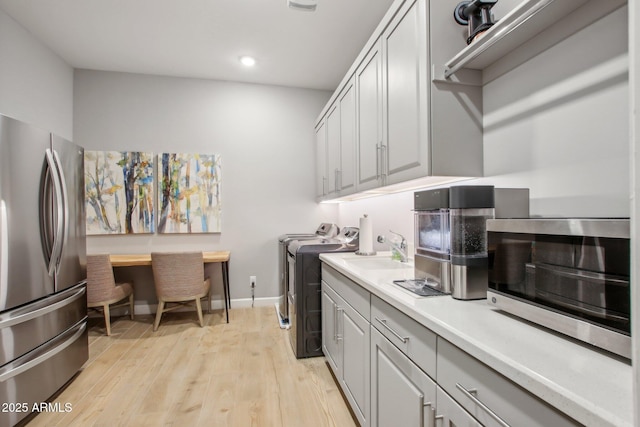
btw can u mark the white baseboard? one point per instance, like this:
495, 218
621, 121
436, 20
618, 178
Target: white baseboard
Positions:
246, 302
143, 308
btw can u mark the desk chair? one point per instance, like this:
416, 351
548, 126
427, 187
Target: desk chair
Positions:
179, 278
102, 289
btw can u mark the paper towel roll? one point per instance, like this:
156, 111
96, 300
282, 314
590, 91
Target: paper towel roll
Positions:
366, 237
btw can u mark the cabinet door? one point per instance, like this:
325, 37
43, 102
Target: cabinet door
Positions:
369, 107
405, 102
450, 414
401, 394
355, 336
321, 160
333, 149
347, 174
330, 343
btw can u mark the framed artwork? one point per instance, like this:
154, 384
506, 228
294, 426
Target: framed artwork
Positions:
189, 193
119, 192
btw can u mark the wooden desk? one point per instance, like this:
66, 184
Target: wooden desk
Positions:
133, 260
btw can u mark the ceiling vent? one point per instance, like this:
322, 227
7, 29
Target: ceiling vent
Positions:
305, 5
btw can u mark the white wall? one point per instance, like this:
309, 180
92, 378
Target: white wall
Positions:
265, 136
558, 125
391, 212
36, 86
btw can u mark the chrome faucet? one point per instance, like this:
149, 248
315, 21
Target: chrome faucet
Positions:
397, 250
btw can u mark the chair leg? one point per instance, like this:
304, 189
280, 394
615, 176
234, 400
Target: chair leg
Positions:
199, 309
158, 315
131, 306
107, 318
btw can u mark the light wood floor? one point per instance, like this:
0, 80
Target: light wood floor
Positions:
237, 374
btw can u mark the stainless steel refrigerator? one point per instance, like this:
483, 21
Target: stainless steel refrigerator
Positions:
43, 303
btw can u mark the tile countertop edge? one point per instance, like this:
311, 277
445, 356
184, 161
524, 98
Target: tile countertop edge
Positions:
601, 409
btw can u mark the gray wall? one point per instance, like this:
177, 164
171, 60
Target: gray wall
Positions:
265, 136
36, 85
558, 124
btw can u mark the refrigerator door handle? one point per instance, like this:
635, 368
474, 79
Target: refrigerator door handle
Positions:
42, 307
46, 235
4, 255
43, 353
65, 206
58, 206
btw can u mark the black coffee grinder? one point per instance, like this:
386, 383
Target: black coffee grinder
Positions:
476, 14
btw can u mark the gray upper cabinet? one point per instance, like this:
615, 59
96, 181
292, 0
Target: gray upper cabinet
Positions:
321, 160
369, 119
336, 147
347, 171
405, 103
333, 150
407, 125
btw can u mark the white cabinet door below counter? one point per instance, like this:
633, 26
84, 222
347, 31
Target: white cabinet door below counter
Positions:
330, 343
401, 394
345, 344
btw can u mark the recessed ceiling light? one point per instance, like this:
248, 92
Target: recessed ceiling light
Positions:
248, 61
306, 5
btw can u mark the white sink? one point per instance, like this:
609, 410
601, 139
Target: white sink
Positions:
378, 263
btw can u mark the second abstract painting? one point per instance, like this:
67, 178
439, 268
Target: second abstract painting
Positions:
189, 193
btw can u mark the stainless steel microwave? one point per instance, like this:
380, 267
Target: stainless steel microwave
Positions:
569, 275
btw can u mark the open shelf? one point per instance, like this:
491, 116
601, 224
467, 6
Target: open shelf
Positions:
526, 21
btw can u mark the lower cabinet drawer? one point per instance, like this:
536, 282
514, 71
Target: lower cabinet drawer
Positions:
353, 294
413, 339
491, 398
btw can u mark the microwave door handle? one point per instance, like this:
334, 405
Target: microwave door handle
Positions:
58, 206
65, 206
4, 255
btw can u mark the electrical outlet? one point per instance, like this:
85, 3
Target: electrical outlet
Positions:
252, 281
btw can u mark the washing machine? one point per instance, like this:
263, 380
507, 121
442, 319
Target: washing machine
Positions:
305, 293
325, 230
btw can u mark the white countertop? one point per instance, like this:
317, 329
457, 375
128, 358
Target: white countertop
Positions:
589, 386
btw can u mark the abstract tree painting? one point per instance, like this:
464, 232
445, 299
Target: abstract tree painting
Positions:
119, 192
189, 193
